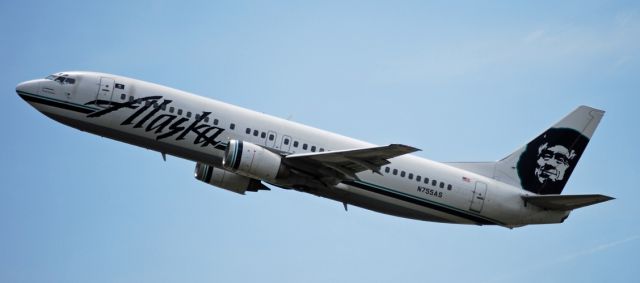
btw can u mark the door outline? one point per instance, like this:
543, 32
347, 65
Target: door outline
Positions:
285, 147
105, 91
271, 143
479, 195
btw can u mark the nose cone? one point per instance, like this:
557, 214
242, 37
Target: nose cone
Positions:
27, 88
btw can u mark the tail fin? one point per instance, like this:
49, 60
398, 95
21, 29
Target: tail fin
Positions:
544, 165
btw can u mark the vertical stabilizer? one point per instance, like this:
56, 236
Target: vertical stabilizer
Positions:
544, 165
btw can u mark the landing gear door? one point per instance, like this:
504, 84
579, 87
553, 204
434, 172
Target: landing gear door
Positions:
105, 91
479, 194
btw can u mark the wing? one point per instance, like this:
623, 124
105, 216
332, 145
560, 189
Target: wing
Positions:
346, 163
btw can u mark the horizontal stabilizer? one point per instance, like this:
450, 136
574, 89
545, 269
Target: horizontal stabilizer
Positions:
565, 202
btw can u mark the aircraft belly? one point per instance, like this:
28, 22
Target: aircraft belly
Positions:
393, 206
387, 205
398, 208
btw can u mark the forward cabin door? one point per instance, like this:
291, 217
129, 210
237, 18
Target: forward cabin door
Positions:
479, 194
105, 91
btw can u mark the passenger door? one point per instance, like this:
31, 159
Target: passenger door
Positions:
105, 91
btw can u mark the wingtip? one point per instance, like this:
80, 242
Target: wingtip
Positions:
407, 148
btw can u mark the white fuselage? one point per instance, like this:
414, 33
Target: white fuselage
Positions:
166, 122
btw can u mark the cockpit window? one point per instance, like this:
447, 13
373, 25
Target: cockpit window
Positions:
63, 79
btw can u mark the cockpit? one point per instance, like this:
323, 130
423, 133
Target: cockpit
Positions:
61, 78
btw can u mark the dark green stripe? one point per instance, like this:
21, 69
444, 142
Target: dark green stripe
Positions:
29, 97
422, 202
207, 176
237, 155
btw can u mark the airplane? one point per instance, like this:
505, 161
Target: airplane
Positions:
241, 150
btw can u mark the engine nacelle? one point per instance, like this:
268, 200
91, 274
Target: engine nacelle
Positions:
227, 180
253, 161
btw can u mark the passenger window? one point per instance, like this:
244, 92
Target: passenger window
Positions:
395, 171
171, 109
295, 144
321, 149
197, 116
255, 133
426, 180
304, 146
232, 126
248, 131
402, 174
206, 119
313, 148
449, 187
387, 169
418, 178
179, 111
271, 137
263, 135
286, 141
410, 176
130, 98
442, 185
188, 114
163, 106
123, 96
215, 121
434, 183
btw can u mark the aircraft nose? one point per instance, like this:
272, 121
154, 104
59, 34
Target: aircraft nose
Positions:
28, 87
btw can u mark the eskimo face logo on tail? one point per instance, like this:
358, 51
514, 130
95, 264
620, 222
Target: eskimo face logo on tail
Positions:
548, 161
149, 117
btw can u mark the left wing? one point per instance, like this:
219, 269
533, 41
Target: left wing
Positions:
349, 162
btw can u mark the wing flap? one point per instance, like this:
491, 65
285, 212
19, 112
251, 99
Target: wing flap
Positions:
565, 202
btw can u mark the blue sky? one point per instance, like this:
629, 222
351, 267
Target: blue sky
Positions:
469, 81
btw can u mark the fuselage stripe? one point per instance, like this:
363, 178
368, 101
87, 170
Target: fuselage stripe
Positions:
56, 103
422, 202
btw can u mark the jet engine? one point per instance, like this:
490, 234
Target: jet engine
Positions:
227, 180
253, 161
